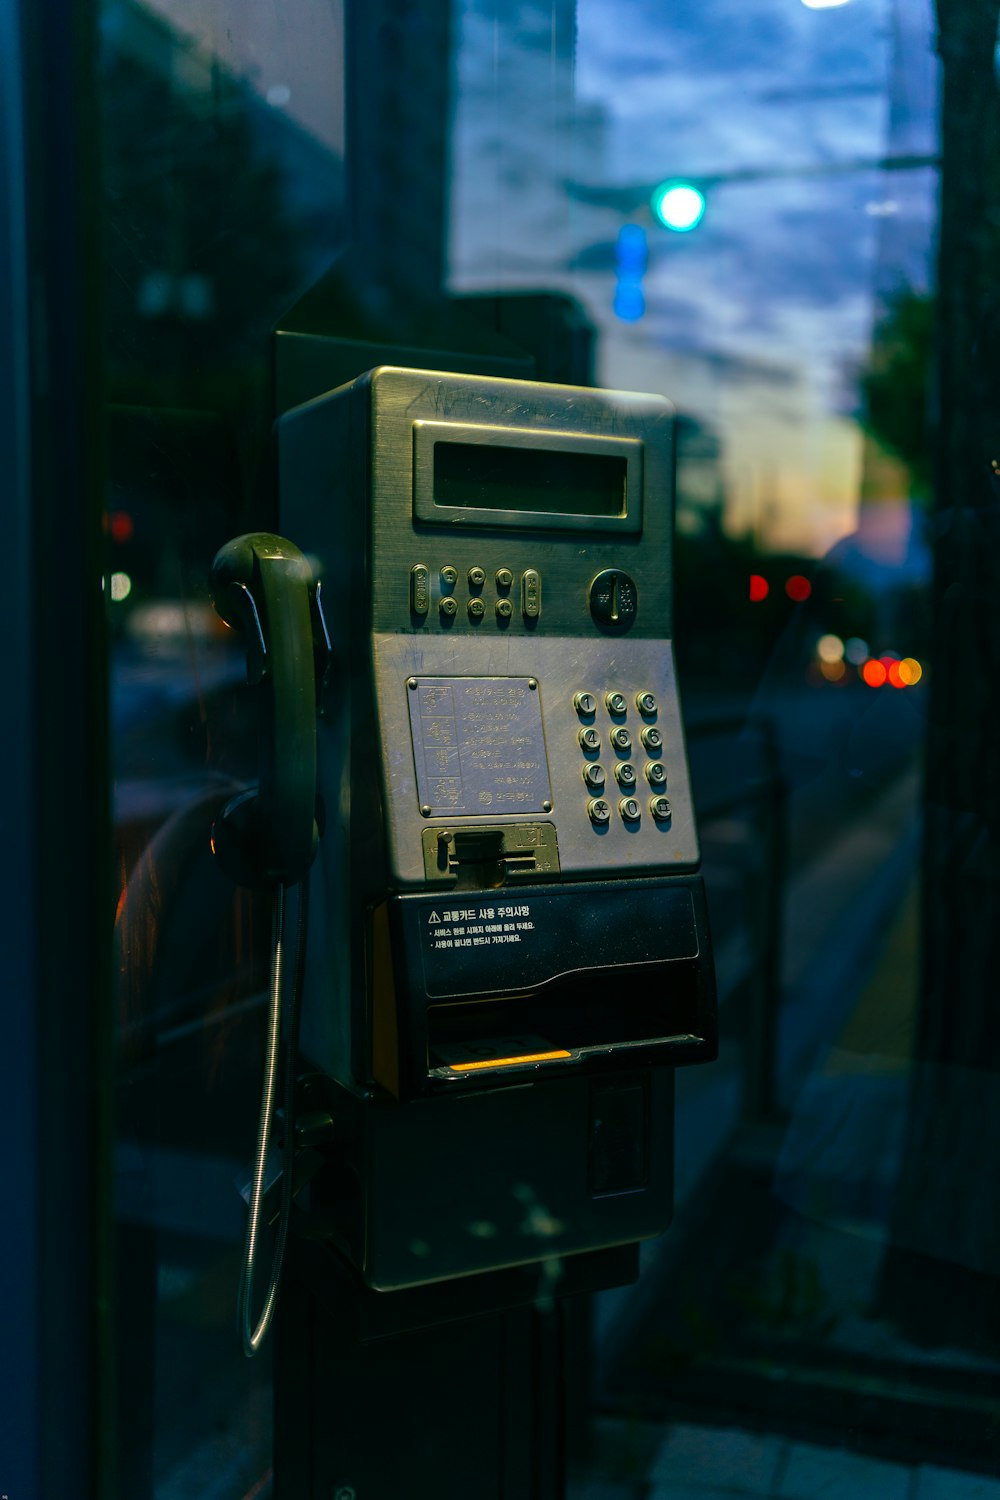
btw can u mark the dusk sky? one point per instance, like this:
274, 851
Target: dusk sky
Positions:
756, 321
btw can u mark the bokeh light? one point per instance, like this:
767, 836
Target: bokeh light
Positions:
833, 671
856, 650
121, 587
121, 526
798, 588
874, 673
910, 671
678, 206
830, 648
758, 588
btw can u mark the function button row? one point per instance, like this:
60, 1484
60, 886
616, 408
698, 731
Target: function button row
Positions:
476, 607
476, 576
616, 703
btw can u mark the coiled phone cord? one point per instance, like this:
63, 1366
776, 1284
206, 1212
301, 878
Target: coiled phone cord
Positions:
253, 1337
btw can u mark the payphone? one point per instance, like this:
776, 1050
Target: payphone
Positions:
508, 951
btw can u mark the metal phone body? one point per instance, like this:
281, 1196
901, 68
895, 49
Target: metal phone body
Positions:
509, 948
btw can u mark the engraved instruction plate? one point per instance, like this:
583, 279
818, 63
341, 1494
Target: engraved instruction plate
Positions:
478, 746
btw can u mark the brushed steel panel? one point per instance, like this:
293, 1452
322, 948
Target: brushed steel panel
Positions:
566, 561
562, 667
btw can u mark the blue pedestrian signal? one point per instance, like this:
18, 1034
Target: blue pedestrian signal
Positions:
631, 260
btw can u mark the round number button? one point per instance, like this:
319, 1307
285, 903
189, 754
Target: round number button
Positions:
625, 774
615, 703
651, 738
621, 739
594, 777
590, 739
630, 809
599, 810
585, 703
660, 808
646, 704
656, 773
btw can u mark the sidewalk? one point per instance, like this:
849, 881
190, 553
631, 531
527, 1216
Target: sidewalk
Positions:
705, 1463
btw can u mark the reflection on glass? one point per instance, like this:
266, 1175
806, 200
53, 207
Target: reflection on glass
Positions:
222, 161
828, 337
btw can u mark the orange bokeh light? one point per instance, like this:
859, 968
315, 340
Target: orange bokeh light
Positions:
758, 588
895, 670
874, 673
833, 671
798, 588
910, 671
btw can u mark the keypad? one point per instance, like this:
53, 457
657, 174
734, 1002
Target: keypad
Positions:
605, 726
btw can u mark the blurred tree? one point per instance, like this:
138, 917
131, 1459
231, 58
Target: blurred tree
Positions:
895, 388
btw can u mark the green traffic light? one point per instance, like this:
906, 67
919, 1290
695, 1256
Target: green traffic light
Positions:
678, 205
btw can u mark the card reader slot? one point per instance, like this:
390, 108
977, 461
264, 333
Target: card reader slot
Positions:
575, 1019
486, 857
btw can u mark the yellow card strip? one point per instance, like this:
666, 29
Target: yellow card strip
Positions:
503, 1062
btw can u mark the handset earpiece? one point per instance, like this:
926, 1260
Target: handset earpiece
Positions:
262, 586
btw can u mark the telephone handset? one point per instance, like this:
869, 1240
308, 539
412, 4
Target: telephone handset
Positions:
262, 586
267, 837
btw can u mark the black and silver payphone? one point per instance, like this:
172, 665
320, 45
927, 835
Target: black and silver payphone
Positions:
508, 950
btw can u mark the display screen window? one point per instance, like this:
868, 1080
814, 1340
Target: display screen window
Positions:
482, 476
